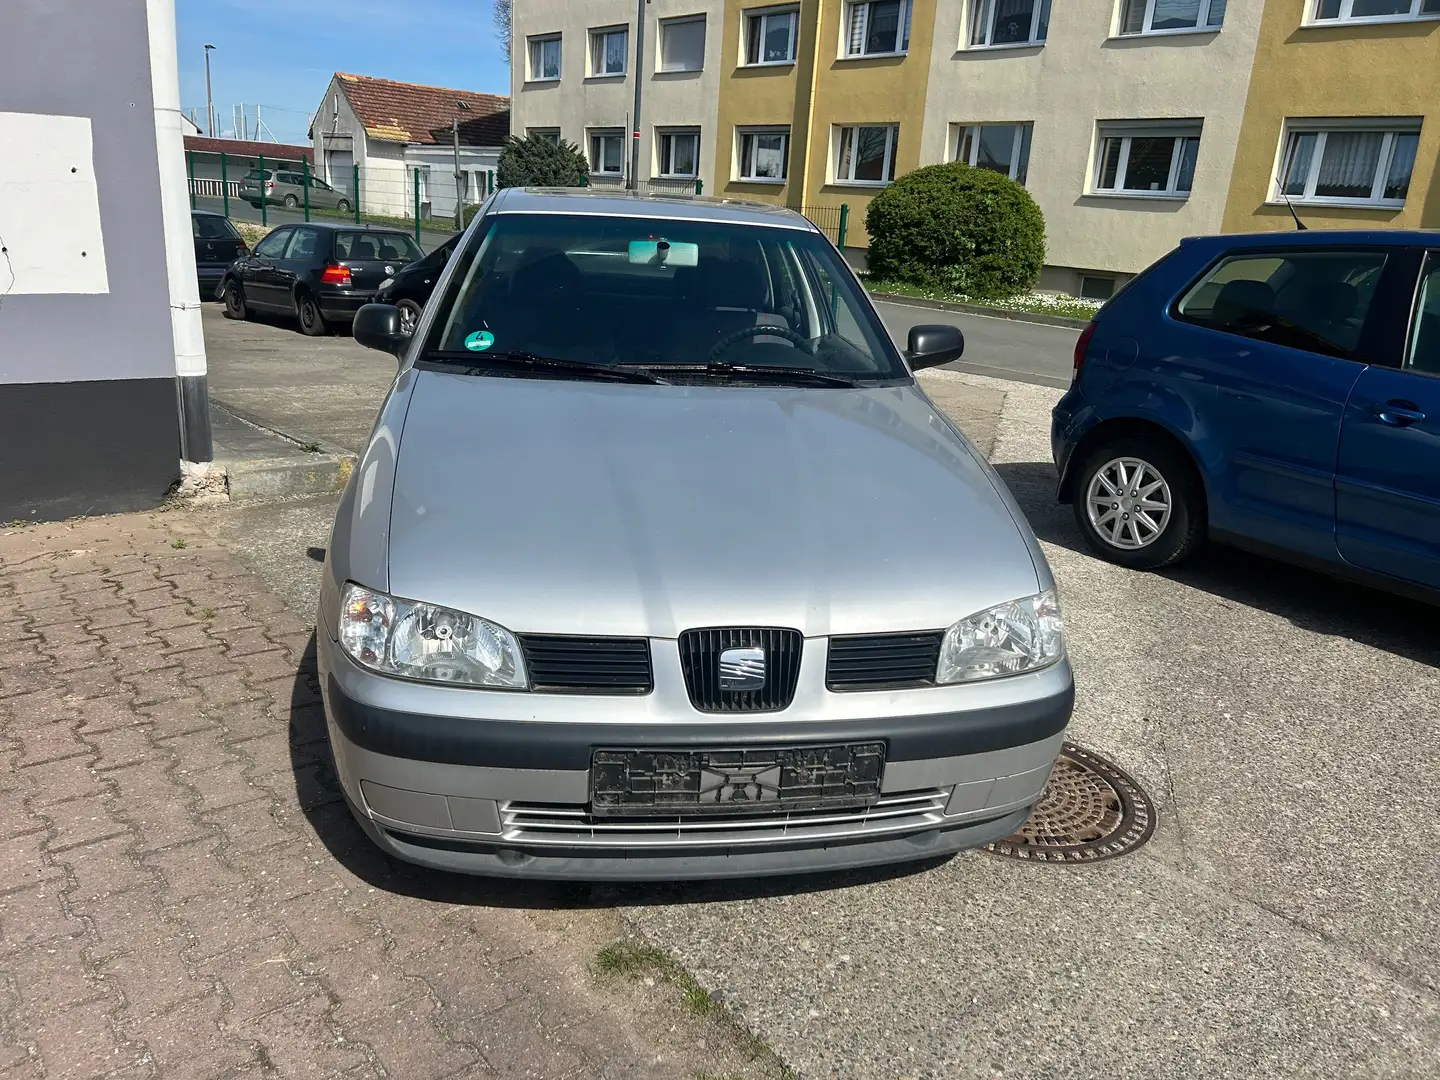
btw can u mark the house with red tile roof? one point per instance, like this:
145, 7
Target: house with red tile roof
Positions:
396, 141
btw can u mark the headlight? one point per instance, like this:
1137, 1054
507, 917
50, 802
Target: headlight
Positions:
1008, 639
426, 642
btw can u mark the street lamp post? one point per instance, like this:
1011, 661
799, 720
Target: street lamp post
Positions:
209, 101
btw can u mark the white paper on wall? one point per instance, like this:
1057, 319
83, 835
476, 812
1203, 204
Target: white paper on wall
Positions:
49, 207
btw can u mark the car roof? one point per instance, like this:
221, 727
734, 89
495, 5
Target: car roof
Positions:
617, 202
206, 213
337, 226
1293, 238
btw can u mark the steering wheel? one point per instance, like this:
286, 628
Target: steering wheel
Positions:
799, 340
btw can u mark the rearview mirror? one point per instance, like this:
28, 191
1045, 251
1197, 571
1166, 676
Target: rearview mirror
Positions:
377, 326
931, 346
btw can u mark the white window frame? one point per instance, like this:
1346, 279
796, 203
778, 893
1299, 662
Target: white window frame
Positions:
665, 153
903, 37
605, 133
763, 15
535, 48
1127, 134
1417, 13
741, 134
665, 26
1389, 128
598, 52
1201, 27
1015, 151
551, 133
892, 144
985, 11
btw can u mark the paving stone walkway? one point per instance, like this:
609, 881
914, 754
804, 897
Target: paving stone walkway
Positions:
182, 891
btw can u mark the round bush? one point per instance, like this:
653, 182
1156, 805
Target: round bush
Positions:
957, 228
538, 162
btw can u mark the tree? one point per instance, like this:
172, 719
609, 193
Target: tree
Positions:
961, 229
502, 26
537, 161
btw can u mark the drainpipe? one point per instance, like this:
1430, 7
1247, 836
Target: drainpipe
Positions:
639, 88
188, 338
810, 105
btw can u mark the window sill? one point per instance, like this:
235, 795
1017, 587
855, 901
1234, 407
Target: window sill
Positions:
781, 182
678, 71
606, 176
874, 55
1152, 196
1190, 32
614, 75
1372, 20
1337, 204
1003, 47
861, 183
533, 82
677, 177
768, 64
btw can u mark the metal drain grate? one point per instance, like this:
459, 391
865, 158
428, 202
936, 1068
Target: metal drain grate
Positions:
1090, 810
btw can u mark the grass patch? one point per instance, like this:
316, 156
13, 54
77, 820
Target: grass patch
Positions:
179, 545
1068, 307
207, 613
310, 447
632, 959
16, 523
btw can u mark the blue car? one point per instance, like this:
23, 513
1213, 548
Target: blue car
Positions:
1279, 392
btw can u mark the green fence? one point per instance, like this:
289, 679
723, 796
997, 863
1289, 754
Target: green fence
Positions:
833, 221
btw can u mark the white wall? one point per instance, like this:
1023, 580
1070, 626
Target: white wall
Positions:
1084, 75
475, 163
580, 103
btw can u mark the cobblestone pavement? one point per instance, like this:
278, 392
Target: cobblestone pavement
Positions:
184, 893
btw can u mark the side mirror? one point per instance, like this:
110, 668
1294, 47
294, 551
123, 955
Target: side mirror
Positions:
377, 326
930, 346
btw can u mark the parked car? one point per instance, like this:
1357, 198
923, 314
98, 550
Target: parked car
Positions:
319, 272
217, 245
286, 187
409, 290
1280, 392
660, 565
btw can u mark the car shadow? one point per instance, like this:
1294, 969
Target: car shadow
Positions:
318, 792
1310, 600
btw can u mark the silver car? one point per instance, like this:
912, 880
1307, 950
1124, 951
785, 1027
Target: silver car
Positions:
660, 565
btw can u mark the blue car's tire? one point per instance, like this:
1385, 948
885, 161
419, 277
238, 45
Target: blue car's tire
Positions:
1139, 503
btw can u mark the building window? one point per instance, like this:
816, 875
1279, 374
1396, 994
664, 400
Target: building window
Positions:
866, 155
682, 45
1002, 148
1096, 288
544, 58
550, 135
1357, 165
764, 155
1008, 22
607, 150
608, 51
1154, 162
680, 154
877, 27
1374, 10
1170, 16
771, 37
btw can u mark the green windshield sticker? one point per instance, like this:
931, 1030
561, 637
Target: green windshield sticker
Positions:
479, 341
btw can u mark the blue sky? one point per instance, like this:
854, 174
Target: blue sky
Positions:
280, 54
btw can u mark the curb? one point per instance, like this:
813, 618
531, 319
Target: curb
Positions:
325, 471
980, 309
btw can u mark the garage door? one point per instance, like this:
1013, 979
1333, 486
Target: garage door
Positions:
340, 170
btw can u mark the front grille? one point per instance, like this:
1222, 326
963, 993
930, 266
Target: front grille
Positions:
566, 825
583, 665
700, 660
883, 661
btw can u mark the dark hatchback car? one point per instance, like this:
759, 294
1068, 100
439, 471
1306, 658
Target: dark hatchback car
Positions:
320, 273
409, 290
1280, 392
217, 245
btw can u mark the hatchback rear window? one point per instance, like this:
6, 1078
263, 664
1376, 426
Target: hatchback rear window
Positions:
256, 174
213, 228
1311, 300
376, 247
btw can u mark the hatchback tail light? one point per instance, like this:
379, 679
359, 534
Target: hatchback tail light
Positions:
269, 185
1080, 348
241, 251
335, 275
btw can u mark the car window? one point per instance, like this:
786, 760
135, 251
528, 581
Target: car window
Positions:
206, 227
1311, 300
1424, 353
256, 174
316, 182
377, 247
305, 244
272, 246
600, 290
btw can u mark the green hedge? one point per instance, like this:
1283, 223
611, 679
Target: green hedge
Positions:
538, 162
966, 230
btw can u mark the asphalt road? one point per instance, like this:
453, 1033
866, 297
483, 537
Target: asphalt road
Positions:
430, 239
1283, 921
1005, 348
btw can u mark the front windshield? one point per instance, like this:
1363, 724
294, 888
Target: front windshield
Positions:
640, 291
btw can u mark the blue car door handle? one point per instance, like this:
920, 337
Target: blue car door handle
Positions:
1399, 413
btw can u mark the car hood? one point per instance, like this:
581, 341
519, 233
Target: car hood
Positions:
571, 507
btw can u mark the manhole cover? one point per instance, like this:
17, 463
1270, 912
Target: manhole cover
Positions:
1090, 810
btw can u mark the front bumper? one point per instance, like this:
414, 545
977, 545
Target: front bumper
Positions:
509, 797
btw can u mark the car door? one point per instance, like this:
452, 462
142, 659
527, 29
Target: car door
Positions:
302, 254
260, 273
322, 195
1387, 482
1278, 338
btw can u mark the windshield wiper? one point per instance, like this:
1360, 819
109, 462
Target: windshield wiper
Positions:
530, 361
757, 373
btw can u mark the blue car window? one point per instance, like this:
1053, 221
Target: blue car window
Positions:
1425, 329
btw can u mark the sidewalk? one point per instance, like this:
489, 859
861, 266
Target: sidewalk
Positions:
184, 892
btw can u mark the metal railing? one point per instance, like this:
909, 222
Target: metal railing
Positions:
833, 221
